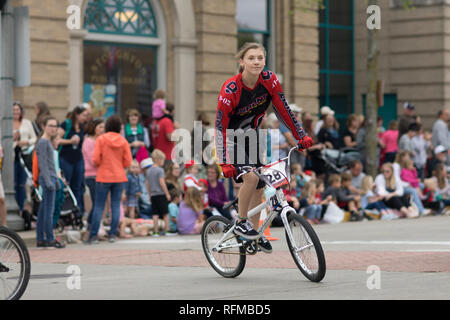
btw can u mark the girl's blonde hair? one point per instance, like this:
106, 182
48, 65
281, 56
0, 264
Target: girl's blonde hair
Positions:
366, 184
407, 163
193, 199
308, 190
244, 49
391, 183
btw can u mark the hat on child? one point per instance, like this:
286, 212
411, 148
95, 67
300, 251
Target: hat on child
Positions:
439, 149
325, 110
148, 162
408, 106
204, 181
189, 164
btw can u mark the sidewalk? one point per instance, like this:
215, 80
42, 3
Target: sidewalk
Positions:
29, 237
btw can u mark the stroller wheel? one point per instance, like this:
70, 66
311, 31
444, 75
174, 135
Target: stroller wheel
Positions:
60, 226
27, 219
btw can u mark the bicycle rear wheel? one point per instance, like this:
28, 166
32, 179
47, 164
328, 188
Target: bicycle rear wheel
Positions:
14, 265
229, 259
307, 250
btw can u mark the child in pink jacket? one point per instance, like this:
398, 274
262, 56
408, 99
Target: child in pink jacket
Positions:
409, 174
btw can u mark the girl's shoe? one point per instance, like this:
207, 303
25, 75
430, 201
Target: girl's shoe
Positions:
56, 244
41, 244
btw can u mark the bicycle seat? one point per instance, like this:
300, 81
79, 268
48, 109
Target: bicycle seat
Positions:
230, 204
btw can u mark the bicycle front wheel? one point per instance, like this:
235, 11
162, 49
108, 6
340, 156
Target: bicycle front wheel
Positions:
227, 259
306, 249
14, 265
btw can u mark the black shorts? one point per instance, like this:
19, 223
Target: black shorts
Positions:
247, 155
160, 206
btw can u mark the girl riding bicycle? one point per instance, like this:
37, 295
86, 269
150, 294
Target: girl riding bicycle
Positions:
243, 102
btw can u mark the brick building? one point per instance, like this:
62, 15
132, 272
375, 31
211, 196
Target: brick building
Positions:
125, 50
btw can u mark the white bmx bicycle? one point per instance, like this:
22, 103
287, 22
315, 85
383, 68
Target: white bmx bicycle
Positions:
226, 252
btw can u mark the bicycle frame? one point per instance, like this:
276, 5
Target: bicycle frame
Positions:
280, 204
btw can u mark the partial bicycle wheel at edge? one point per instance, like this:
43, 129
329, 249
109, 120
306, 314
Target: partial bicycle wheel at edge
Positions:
229, 260
14, 265
307, 250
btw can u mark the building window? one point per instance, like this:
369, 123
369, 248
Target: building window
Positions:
253, 20
120, 63
337, 57
125, 17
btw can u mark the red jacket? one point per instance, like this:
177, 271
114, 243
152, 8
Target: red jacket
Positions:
112, 155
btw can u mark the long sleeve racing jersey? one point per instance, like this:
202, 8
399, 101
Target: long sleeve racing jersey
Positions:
240, 107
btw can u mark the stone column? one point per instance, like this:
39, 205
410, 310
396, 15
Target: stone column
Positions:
76, 67
184, 45
184, 58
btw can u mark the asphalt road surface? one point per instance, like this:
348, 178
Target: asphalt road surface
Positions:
401, 259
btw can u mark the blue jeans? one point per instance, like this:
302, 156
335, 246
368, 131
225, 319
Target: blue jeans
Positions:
44, 224
378, 205
101, 193
415, 198
74, 174
20, 179
314, 211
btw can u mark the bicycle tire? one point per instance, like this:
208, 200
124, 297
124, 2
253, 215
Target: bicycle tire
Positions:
298, 222
9, 240
212, 231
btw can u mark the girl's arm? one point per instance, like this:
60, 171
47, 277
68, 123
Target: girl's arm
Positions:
163, 185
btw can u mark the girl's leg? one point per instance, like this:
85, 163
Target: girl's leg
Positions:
116, 193
155, 223
101, 193
166, 223
256, 201
48, 214
20, 179
246, 192
131, 212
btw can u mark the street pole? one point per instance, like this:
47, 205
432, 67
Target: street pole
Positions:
14, 221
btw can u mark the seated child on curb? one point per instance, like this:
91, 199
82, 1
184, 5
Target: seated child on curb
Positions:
342, 196
190, 179
191, 217
313, 210
371, 201
132, 190
409, 174
176, 197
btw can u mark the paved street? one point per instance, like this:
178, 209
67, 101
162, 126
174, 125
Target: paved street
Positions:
413, 256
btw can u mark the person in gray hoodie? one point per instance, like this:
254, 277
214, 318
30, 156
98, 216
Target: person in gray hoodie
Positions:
48, 180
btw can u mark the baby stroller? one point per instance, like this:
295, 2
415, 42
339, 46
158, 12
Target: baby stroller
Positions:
70, 213
337, 161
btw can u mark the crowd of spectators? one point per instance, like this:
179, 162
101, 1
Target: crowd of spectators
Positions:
150, 194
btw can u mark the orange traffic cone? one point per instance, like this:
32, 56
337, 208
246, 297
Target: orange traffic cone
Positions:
267, 231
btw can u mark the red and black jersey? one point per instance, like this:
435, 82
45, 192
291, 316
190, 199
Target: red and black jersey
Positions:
243, 108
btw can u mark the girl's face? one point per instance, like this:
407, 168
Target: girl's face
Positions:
134, 168
100, 129
321, 187
253, 61
51, 128
176, 170
82, 117
212, 175
133, 119
16, 112
387, 172
329, 121
194, 169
